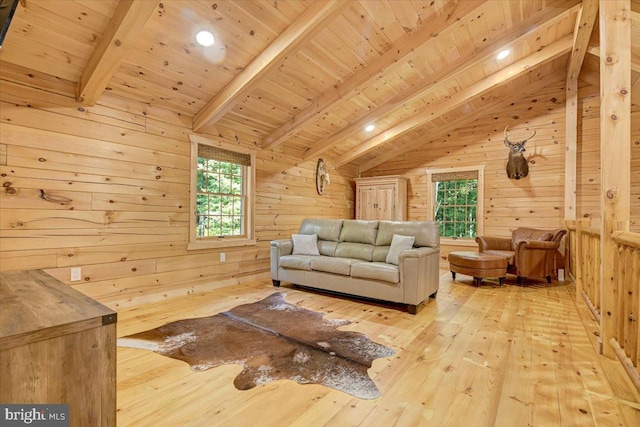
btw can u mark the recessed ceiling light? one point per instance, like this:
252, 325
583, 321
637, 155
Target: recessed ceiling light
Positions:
369, 128
504, 54
205, 38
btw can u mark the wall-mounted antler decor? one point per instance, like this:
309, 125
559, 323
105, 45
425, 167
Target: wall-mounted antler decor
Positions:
322, 177
517, 166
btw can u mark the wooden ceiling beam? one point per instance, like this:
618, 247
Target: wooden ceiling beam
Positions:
305, 27
581, 35
549, 53
117, 41
486, 110
447, 73
390, 60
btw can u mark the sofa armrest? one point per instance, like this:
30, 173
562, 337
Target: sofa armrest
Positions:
486, 243
536, 258
284, 247
538, 244
277, 249
417, 253
419, 273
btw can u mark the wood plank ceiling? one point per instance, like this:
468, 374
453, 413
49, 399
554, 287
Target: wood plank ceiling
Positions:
304, 77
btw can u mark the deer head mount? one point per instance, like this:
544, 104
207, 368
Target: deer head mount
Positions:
322, 177
517, 166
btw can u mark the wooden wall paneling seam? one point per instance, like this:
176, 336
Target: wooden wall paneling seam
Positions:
117, 151
163, 115
28, 260
37, 179
106, 271
85, 255
60, 238
74, 129
51, 160
41, 219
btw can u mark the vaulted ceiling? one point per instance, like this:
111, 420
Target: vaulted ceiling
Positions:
305, 77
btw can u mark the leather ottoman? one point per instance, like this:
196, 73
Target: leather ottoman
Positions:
477, 265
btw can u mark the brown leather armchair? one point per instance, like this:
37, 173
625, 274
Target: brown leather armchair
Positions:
530, 252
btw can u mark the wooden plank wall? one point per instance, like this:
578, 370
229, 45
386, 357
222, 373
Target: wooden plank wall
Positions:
536, 201
106, 188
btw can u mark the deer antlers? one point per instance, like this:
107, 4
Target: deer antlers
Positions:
506, 137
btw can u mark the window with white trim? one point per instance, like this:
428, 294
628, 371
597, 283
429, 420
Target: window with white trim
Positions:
455, 201
221, 195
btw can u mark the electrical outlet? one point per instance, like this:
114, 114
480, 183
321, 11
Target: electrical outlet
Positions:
76, 274
223, 257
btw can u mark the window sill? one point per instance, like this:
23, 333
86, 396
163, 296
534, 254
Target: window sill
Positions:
220, 243
448, 241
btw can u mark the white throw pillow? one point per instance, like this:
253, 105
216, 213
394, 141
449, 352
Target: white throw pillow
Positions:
399, 243
305, 244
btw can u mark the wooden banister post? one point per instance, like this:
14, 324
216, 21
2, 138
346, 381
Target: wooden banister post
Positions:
578, 267
615, 149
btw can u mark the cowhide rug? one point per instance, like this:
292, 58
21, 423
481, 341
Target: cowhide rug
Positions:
272, 340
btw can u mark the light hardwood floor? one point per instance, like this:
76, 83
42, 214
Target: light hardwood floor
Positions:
487, 356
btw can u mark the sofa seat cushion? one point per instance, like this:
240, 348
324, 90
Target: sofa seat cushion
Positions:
334, 265
376, 271
509, 255
296, 262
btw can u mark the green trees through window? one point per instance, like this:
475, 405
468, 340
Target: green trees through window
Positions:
456, 207
220, 198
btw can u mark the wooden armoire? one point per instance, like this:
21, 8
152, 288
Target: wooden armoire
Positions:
381, 198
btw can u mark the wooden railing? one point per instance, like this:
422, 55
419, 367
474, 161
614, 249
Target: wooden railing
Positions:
583, 245
627, 289
570, 250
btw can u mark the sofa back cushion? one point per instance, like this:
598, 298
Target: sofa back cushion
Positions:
425, 232
327, 247
523, 233
380, 253
359, 231
355, 250
326, 229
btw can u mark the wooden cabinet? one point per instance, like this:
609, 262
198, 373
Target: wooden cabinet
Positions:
381, 198
57, 345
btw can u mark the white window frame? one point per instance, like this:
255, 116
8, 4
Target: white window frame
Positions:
431, 202
226, 241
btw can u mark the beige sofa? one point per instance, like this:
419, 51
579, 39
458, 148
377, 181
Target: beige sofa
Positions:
352, 258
